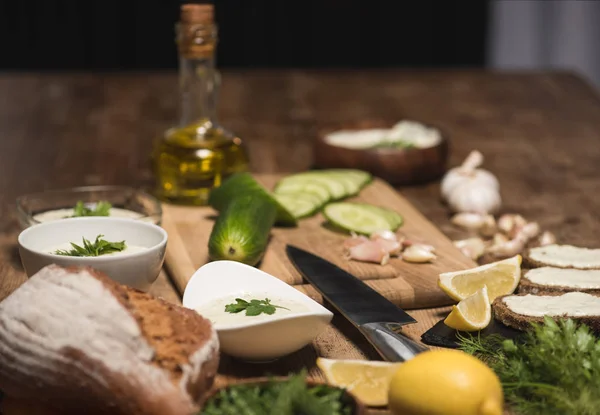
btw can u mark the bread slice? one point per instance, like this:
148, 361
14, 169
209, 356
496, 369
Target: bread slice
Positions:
79, 343
560, 280
562, 256
519, 311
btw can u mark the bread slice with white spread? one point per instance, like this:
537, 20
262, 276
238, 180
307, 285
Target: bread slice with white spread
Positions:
519, 311
75, 342
563, 256
560, 280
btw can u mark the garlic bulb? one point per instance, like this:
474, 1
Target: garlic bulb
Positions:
468, 188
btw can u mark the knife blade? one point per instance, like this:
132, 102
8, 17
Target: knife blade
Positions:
378, 319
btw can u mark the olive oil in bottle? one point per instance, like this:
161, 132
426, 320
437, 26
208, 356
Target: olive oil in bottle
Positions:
195, 156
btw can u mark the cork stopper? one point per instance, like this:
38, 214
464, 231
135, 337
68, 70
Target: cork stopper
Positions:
197, 14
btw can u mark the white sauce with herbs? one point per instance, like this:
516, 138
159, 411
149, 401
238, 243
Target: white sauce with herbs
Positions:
67, 247
407, 132
577, 278
56, 214
574, 304
215, 310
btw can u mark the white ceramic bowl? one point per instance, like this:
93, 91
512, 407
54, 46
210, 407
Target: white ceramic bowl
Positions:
136, 269
260, 339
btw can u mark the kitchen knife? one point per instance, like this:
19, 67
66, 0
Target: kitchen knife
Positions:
378, 319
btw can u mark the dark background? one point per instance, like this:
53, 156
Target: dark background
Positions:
138, 34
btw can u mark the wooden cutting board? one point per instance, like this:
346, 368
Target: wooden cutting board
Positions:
407, 285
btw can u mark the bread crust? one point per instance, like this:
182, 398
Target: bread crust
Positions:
520, 322
173, 361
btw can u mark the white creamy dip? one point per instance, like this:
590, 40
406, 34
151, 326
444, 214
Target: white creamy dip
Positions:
129, 249
574, 304
215, 310
407, 132
56, 214
566, 256
577, 278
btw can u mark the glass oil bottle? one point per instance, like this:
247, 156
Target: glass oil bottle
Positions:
195, 156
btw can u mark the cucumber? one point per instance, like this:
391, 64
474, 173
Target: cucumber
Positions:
357, 217
300, 205
241, 232
362, 178
240, 184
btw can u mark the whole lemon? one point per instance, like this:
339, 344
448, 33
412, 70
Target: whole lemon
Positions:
445, 382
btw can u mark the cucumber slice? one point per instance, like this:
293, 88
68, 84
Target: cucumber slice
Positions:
362, 178
299, 204
351, 185
240, 184
336, 189
318, 189
394, 219
241, 232
356, 217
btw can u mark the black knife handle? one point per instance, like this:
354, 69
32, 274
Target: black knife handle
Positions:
390, 342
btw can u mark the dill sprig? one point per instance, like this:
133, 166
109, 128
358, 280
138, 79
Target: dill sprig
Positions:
102, 208
96, 248
553, 370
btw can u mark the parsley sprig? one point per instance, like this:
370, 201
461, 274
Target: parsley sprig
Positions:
96, 248
253, 307
288, 397
553, 370
101, 208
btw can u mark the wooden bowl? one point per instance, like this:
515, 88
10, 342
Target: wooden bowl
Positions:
396, 166
358, 407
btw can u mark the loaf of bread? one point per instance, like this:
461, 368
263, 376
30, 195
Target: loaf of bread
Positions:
75, 342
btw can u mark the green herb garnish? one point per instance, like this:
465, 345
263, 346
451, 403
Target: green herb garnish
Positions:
394, 145
553, 370
253, 307
96, 248
102, 208
289, 397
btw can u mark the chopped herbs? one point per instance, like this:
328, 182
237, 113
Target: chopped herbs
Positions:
290, 397
554, 370
96, 248
394, 144
253, 307
101, 208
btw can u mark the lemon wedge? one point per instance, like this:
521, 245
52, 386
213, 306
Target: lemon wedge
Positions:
471, 314
445, 382
500, 277
367, 380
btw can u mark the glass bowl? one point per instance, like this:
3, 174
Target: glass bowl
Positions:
125, 201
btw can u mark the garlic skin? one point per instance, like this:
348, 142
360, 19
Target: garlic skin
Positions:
467, 188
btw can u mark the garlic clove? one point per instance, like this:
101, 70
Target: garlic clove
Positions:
531, 230
508, 249
369, 251
418, 254
547, 238
475, 221
391, 247
499, 239
473, 248
387, 234
354, 241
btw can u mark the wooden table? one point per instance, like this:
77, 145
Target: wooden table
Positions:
540, 134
